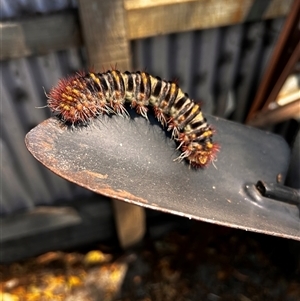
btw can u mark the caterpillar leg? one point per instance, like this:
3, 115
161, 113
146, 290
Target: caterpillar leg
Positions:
119, 109
159, 114
142, 110
172, 126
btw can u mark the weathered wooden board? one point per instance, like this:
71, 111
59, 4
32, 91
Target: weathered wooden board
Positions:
39, 35
142, 19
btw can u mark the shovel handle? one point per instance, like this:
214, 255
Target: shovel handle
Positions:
279, 192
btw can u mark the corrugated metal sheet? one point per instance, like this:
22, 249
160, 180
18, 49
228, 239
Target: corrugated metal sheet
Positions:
221, 67
20, 8
25, 182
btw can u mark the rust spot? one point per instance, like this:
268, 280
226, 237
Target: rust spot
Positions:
130, 196
95, 174
279, 178
121, 195
87, 179
47, 146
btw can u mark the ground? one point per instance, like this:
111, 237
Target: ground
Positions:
197, 262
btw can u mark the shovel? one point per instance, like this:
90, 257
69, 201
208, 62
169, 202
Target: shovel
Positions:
132, 160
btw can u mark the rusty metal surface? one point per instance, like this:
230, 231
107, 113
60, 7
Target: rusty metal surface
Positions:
132, 160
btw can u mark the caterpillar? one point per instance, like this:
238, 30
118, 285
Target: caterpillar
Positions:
84, 96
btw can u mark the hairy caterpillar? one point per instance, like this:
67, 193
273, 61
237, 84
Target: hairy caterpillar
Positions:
82, 97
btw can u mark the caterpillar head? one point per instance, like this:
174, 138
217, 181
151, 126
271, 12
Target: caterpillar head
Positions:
69, 101
201, 154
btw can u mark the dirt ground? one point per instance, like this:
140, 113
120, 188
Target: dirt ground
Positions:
201, 262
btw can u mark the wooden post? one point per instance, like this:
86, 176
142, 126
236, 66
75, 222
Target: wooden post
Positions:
105, 37
104, 33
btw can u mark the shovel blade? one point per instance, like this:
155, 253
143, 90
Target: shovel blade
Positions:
133, 160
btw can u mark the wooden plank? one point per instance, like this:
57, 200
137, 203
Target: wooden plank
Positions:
138, 4
178, 17
39, 35
278, 8
265, 119
104, 31
151, 18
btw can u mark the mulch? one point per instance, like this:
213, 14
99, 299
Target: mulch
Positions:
201, 262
